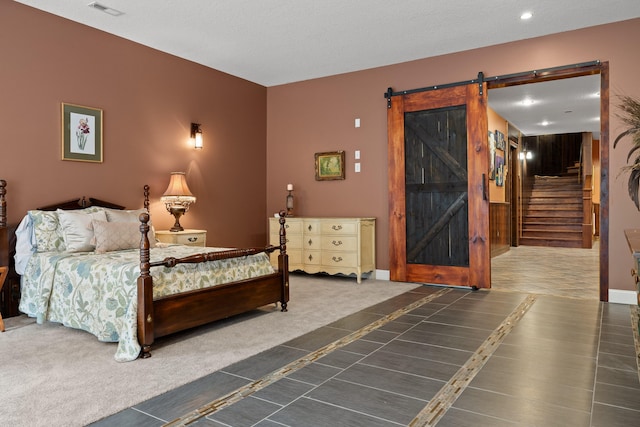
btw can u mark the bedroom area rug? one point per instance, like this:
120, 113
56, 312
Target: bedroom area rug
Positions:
57, 376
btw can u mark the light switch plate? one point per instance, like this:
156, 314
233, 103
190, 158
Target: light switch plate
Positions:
357, 167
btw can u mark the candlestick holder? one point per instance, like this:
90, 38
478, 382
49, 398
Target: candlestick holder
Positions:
290, 203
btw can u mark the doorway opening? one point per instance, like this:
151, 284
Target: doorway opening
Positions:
521, 265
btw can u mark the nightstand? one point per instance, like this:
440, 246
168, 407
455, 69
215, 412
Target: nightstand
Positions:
185, 237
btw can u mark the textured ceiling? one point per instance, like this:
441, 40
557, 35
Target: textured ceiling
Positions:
283, 41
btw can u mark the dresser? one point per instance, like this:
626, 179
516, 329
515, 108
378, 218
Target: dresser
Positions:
328, 245
185, 237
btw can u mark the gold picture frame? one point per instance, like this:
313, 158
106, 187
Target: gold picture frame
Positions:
81, 133
329, 165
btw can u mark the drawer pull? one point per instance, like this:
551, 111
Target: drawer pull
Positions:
310, 227
337, 259
192, 239
338, 243
336, 227
310, 242
310, 257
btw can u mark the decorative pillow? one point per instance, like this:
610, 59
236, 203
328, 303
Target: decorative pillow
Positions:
77, 229
24, 244
116, 215
115, 236
47, 232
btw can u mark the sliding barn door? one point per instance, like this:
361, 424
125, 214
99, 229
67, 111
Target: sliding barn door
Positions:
438, 189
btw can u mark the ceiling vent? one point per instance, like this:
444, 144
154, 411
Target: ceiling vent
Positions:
105, 9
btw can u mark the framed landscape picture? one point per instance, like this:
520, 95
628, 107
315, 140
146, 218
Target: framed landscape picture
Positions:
81, 133
329, 165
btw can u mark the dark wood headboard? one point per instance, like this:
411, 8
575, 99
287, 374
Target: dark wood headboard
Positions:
80, 203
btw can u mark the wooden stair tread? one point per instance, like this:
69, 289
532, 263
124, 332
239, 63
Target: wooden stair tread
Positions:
552, 211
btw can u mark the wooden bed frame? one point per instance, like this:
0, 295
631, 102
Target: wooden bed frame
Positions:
178, 312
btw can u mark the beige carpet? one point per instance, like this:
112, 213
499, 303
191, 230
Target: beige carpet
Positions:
56, 376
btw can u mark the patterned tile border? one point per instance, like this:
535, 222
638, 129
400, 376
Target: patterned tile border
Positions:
635, 324
448, 394
247, 390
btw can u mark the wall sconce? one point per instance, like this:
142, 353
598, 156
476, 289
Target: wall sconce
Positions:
528, 155
196, 135
177, 198
290, 200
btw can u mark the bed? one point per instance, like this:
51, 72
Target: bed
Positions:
134, 292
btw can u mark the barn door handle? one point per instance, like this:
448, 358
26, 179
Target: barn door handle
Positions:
484, 187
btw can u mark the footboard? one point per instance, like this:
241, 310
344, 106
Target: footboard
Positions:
186, 310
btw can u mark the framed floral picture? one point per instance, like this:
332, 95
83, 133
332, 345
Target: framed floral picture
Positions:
329, 165
81, 133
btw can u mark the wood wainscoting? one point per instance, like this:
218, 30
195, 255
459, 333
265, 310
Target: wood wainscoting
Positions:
500, 220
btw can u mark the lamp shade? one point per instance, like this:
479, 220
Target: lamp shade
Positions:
178, 190
177, 198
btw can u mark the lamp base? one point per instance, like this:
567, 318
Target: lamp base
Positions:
177, 213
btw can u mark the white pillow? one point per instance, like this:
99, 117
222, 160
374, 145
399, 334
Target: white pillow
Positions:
77, 229
25, 244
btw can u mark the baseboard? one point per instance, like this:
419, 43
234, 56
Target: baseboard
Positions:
618, 296
383, 275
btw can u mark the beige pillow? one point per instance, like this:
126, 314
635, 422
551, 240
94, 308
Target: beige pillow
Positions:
116, 215
115, 236
77, 230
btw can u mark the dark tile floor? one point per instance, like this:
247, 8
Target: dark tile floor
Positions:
453, 358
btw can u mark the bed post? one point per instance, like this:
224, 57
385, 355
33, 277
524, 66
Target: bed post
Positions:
145, 286
283, 263
3, 203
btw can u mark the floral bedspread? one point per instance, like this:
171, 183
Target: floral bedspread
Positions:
98, 292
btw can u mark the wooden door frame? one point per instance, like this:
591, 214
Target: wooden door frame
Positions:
601, 68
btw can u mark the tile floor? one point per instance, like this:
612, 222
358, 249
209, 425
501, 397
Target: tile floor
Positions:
433, 356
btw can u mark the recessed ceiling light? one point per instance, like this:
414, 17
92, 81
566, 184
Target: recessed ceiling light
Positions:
527, 101
105, 9
545, 123
526, 15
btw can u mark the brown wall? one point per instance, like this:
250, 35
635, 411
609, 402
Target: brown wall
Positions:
149, 100
497, 122
318, 115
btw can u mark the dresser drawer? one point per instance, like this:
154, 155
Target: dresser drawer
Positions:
186, 237
293, 241
337, 227
312, 257
312, 242
339, 243
311, 226
339, 259
291, 227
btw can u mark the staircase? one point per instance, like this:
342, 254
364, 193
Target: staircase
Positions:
552, 212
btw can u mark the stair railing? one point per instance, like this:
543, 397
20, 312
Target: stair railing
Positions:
587, 212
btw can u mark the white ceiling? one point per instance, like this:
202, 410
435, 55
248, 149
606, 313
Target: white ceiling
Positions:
558, 106
283, 41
